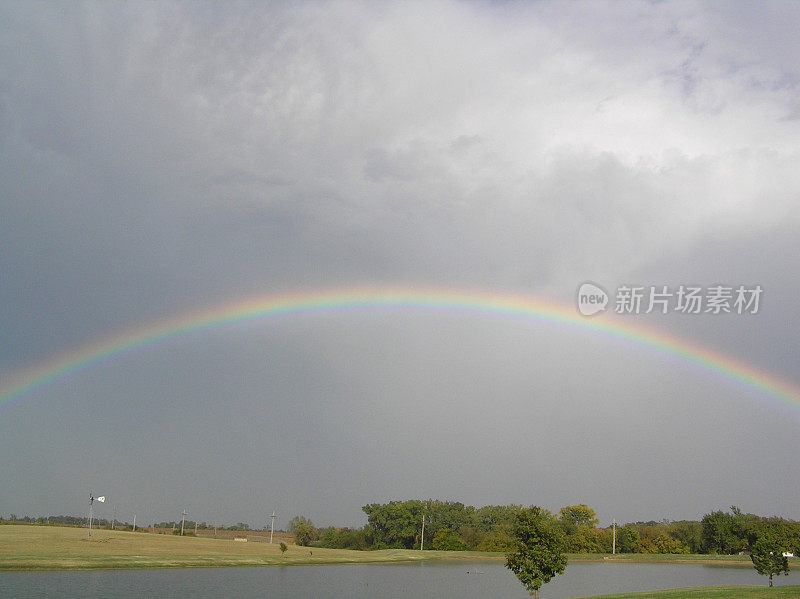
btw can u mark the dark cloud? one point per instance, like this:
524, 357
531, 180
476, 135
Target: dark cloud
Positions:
156, 159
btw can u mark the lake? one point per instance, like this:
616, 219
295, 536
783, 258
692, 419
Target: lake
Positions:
435, 580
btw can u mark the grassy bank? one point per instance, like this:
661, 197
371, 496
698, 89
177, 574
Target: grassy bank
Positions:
738, 592
66, 548
672, 558
62, 548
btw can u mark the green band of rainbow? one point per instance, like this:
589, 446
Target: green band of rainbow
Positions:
300, 304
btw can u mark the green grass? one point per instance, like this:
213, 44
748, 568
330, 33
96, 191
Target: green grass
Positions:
736, 592
672, 558
62, 548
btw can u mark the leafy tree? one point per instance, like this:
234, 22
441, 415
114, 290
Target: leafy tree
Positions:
448, 540
665, 543
586, 539
689, 533
472, 536
627, 539
766, 554
344, 538
539, 549
578, 515
496, 518
397, 524
303, 530
722, 534
283, 548
498, 541
446, 515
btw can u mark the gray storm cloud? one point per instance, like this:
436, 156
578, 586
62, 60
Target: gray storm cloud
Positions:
158, 158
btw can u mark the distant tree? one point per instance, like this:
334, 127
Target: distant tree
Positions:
784, 532
721, 534
767, 556
689, 533
587, 539
539, 549
303, 530
448, 540
665, 543
283, 548
472, 537
498, 541
397, 524
496, 518
344, 538
580, 515
441, 515
573, 516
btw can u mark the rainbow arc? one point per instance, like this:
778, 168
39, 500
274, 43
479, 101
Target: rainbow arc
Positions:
274, 306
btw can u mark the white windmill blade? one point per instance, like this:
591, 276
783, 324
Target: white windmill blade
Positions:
102, 499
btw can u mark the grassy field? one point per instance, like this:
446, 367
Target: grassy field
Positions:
65, 548
713, 592
62, 548
659, 558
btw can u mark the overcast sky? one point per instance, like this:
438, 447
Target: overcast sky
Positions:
159, 158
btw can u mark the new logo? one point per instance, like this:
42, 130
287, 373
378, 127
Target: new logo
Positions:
591, 299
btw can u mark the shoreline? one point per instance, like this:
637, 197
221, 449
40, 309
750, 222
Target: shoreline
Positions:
36, 549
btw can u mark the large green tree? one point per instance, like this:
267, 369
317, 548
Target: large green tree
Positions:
397, 524
767, 556
539, 549
722, 534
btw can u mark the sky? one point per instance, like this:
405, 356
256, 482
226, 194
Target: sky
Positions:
163, 159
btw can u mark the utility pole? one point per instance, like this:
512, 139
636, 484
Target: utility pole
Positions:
183, 519
134, 523
114, 518
195, 528
422, 537
614, 545
215, 528
272, 527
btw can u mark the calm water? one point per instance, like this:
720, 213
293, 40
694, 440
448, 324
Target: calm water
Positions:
464, 580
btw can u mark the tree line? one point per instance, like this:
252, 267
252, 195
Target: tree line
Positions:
453, 526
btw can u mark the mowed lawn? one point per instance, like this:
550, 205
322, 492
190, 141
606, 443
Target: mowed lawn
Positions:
64, 548
761, 592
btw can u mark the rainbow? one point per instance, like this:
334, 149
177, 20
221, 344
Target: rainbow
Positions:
298, 305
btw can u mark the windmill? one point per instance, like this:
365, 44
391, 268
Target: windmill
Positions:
101, 499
